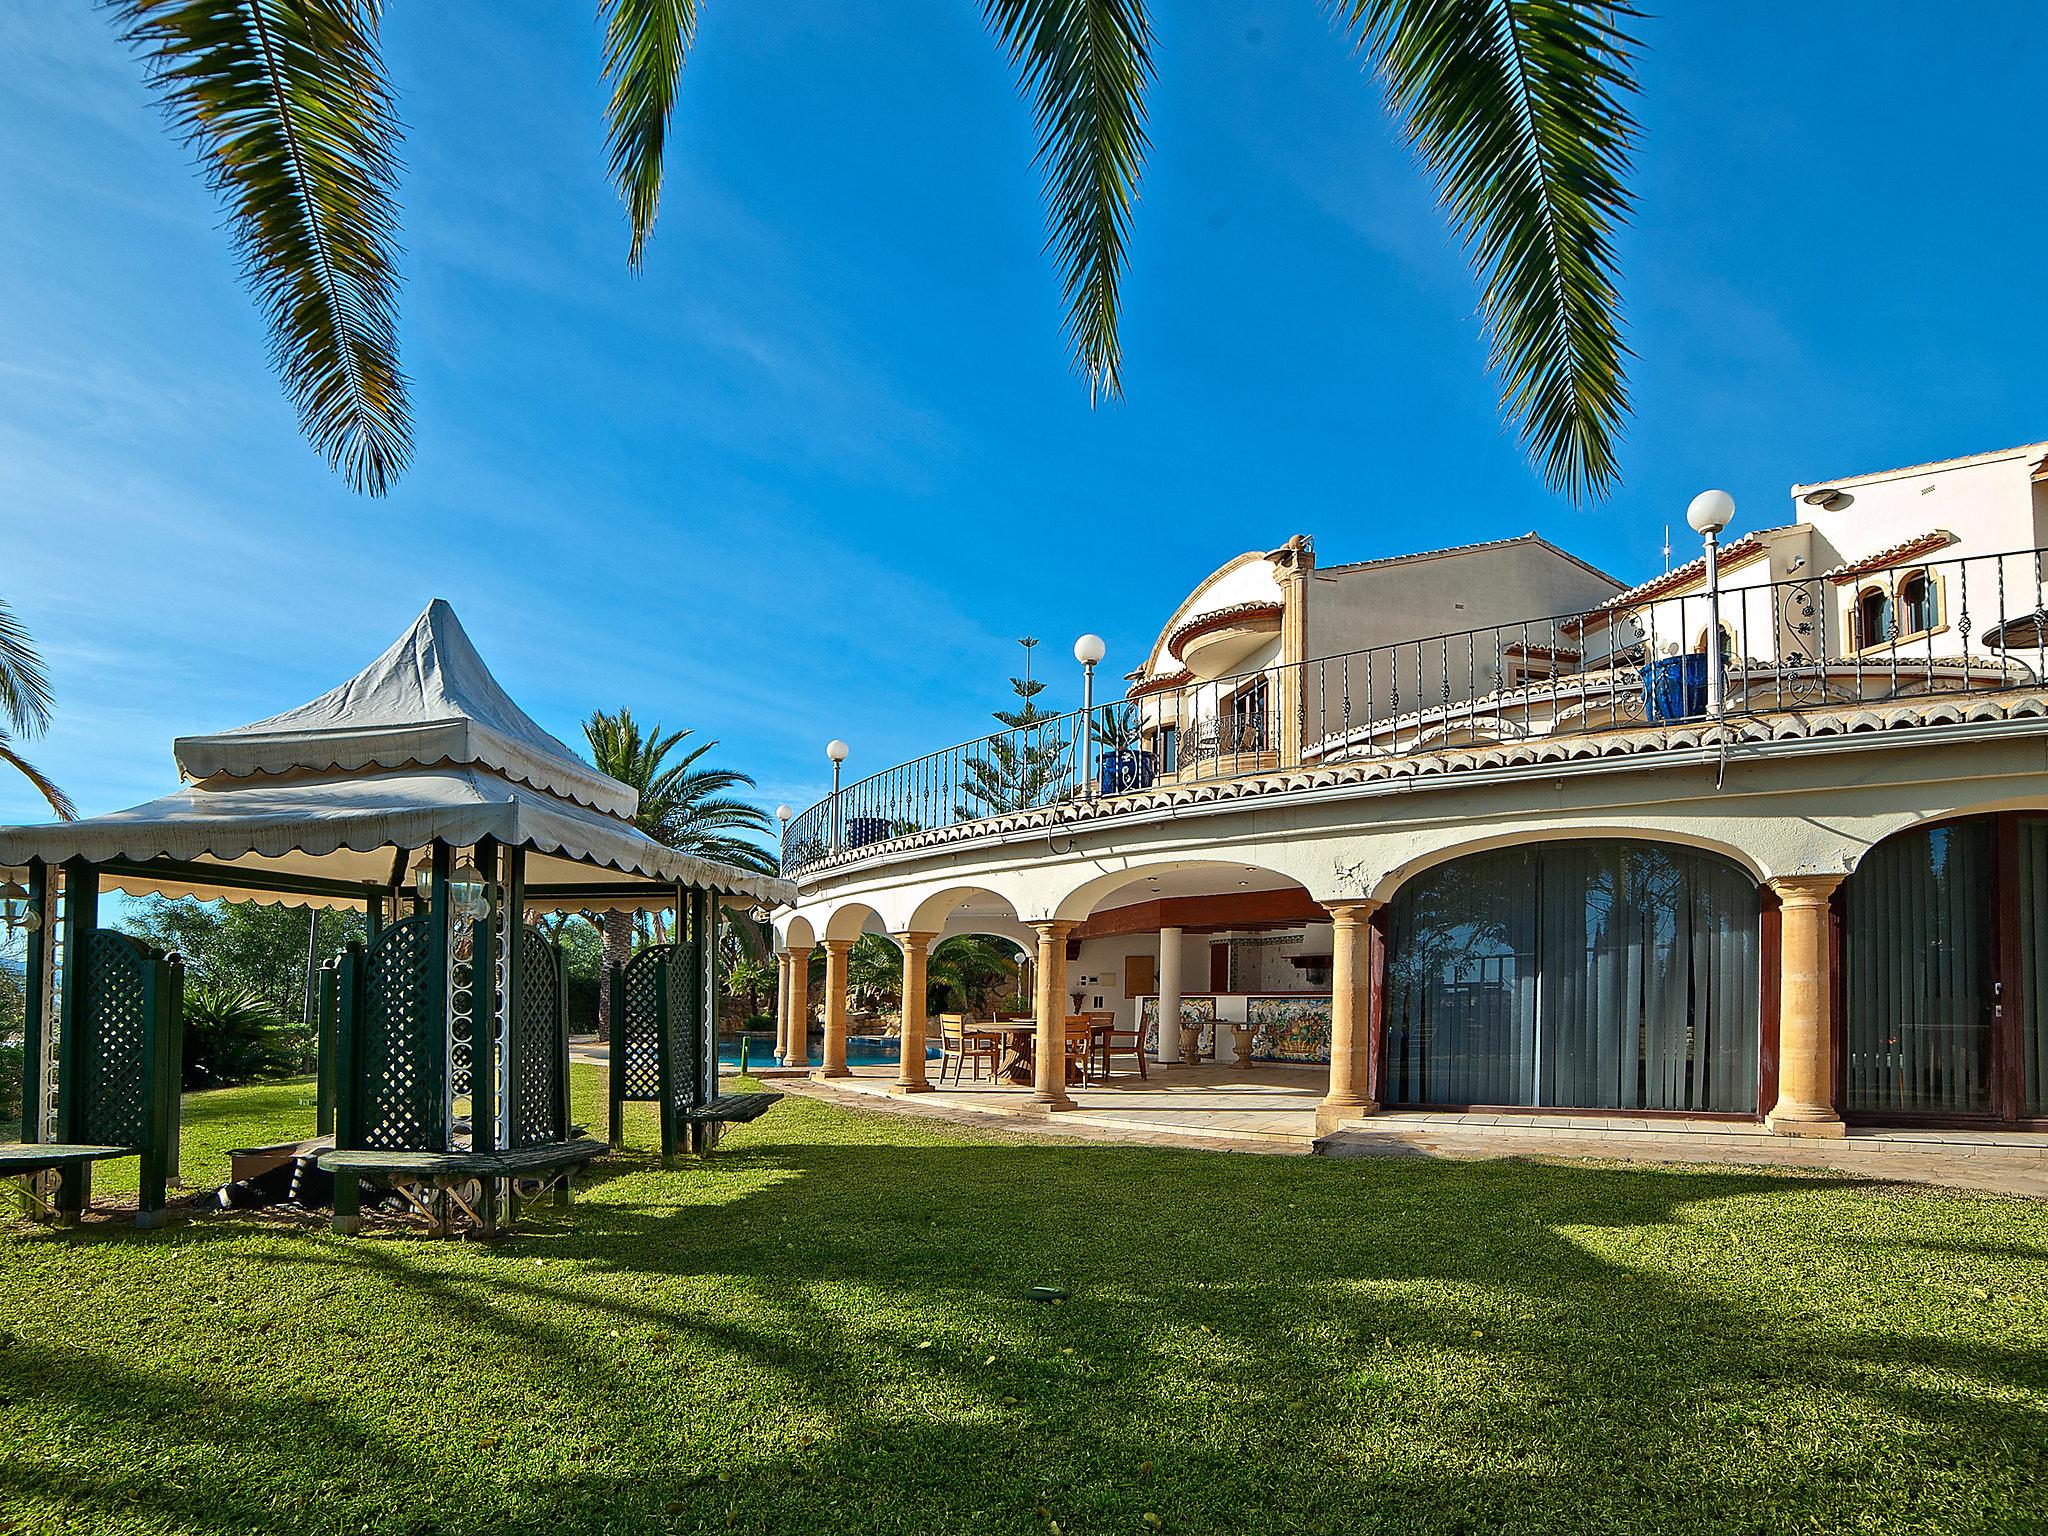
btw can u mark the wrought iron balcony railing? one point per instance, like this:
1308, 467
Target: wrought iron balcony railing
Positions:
1976, 624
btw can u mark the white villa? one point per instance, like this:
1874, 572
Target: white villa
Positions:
1468, 829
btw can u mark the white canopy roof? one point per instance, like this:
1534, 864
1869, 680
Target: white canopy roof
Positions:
429, 699
327, 801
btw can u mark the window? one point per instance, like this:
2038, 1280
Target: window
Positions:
1617, 974
1873, 617
1248, 718
1919, 609
1169, 748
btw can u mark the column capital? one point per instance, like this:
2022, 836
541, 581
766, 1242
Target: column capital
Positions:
836, 946
1055, 928
1353, 910
1804, 890
921, 937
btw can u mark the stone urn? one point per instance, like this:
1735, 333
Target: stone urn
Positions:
1241, 1041
1191, 1042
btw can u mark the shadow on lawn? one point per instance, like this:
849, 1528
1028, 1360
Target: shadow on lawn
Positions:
1250, 1343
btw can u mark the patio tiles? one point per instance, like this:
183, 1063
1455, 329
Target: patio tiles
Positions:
1271, 1108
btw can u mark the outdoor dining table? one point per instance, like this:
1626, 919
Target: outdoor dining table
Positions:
1018, 1039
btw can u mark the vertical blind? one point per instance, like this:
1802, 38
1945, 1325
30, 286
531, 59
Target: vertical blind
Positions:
1601, 975
1917, 973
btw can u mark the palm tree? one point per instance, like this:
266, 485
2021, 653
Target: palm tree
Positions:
25, 703
682, 805
1516, 106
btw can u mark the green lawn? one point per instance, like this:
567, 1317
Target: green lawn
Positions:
822, 1329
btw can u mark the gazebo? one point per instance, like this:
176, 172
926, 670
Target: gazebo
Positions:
420, 794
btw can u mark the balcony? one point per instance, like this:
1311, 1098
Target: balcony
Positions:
1798, 658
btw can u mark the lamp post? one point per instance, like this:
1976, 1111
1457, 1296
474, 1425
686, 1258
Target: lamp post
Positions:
1088, 650
1710, 512
782, 815
837, 750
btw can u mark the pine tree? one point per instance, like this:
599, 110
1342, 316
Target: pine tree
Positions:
1024, 766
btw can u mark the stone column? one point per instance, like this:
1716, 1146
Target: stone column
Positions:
910, 1076
1169, 997
1351, 1042
1805, 1104
1049, 1087
798, 1045
781, 1004
836, 951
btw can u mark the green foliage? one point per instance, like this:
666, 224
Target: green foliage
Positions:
1516, 105
252, 948
287, 106
822, 1329
1086, 67
1025, 767
233, 1035
25, 704
970, 973
747, 976
682, 805
645, 43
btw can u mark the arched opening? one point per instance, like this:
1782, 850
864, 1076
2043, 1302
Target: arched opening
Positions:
1615, 974
1944, 973
1204, 962
1919, 605
1873, 617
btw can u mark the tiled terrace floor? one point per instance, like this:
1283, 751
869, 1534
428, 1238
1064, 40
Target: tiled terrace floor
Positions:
1271, 1108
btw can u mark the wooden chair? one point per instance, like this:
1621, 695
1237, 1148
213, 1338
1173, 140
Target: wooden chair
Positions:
1081, 1046
1119, 1039
957, 1042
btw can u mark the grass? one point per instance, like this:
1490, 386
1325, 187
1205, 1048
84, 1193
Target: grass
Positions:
822, 1329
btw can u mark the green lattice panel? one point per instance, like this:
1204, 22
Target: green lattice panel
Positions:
685, 1063
643, 1024
114, 1040
536, 1045
399, 1106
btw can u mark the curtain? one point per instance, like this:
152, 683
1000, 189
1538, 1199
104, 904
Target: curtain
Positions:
1917, 917
2033, 965
1599, 975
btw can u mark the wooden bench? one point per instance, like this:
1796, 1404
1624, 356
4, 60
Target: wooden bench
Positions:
22, 1161
432, 1181
728, 1109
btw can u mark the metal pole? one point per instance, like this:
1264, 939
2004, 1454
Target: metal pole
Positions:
1087, 764
838, 817
1713, 625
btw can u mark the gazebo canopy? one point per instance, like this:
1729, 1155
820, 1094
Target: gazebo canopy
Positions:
322, 804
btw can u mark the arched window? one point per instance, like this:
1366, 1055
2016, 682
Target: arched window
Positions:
1616, 974
1873, 617
1945, 971
1919, 608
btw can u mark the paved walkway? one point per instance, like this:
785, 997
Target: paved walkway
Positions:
1271, 1108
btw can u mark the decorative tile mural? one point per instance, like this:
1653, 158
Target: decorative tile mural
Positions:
1193, 1010
1290, 1028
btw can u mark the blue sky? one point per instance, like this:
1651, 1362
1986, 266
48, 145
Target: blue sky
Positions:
813, 472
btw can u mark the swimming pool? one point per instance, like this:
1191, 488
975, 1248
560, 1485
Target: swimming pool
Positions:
861, 1051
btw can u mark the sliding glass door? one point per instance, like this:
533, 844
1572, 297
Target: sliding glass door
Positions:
1945, 973
1602, 975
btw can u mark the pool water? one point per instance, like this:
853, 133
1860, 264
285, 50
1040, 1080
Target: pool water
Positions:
860, 1052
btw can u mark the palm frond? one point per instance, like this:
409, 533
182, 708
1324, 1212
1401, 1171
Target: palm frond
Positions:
287, 106
1517, 106
45, 785
645, 44
1086, 65
25, 697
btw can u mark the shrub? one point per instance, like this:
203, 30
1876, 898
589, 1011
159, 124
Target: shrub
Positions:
10, 1089
233, 1034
